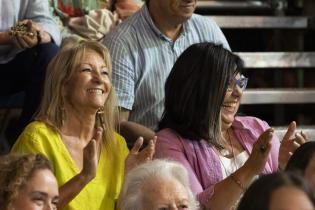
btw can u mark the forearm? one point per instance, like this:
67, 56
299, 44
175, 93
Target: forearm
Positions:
71, 189
5, 38
131, 131
229, 188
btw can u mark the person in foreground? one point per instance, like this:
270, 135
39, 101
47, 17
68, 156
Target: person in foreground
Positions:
303, 161
27, 183
156, 185
286, 191
222, 152
75, 129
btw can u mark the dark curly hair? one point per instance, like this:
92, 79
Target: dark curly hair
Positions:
15, 171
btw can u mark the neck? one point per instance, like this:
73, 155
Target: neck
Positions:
169, 26
79, 124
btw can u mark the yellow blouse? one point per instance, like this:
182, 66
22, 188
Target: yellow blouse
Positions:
99, 194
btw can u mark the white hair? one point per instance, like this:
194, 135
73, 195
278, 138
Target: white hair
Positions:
131, 194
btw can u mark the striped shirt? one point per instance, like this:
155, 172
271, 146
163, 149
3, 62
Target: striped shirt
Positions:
143, 57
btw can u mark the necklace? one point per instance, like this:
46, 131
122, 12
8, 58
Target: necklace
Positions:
224, 151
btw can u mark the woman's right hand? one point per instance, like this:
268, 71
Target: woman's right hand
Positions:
91, 155
259, 155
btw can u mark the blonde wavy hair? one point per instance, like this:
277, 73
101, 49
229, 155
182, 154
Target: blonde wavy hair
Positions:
15, 171
59, 72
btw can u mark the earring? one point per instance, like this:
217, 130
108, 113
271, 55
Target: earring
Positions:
100, 117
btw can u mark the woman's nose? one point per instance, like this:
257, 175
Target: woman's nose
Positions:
50, 207
97, 77
237, 91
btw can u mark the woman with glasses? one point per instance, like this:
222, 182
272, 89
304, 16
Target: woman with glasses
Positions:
222, 152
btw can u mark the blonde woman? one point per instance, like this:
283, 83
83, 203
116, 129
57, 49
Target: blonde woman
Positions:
75, 129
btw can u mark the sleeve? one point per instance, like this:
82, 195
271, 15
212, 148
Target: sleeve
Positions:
38, 11
123, 75
170, 147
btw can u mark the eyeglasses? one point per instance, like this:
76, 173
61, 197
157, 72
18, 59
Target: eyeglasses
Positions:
241, 83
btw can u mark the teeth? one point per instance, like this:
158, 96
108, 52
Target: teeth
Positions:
96, 91
229, 104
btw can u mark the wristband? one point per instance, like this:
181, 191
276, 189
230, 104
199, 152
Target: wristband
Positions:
238, 182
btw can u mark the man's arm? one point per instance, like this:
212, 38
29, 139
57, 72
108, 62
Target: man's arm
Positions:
131, 130
5, 38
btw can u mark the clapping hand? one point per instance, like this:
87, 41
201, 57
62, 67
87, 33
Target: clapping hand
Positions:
91, 155
290, 142
136, 157
259, 155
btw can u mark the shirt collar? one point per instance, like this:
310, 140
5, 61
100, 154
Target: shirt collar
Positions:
147, 17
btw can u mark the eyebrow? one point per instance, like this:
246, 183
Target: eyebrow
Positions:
39, 193
103, 66
35, 193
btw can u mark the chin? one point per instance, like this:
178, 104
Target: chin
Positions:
227, 121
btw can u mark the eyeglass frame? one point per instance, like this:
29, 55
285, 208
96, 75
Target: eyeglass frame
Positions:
237, 82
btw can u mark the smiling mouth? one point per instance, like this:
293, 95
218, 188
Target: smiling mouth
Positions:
188, 5
229, 106
95, 91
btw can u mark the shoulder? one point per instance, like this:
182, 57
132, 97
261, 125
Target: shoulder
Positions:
119, 139
121, 144
207, 30
169, 138
167, 134
37, 137
199, 20
37, 129
124, 32
248, 122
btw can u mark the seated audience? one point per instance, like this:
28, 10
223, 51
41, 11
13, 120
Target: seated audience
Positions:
74, 129
90, 19
29, 39
303, 161
285, 191
199, 128
158, 184
144, 49
27, 183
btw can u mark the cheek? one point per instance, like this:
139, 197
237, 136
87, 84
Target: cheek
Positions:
108, 84
24, 202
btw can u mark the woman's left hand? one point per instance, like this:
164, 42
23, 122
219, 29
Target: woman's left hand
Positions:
290, 142
136, 157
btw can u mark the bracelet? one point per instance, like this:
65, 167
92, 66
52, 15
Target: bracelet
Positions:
238, 182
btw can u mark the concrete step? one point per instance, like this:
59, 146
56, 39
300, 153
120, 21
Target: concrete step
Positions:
264, 22
278, 96
215, 4
278, 59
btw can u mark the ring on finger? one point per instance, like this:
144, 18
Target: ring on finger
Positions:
262, 148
